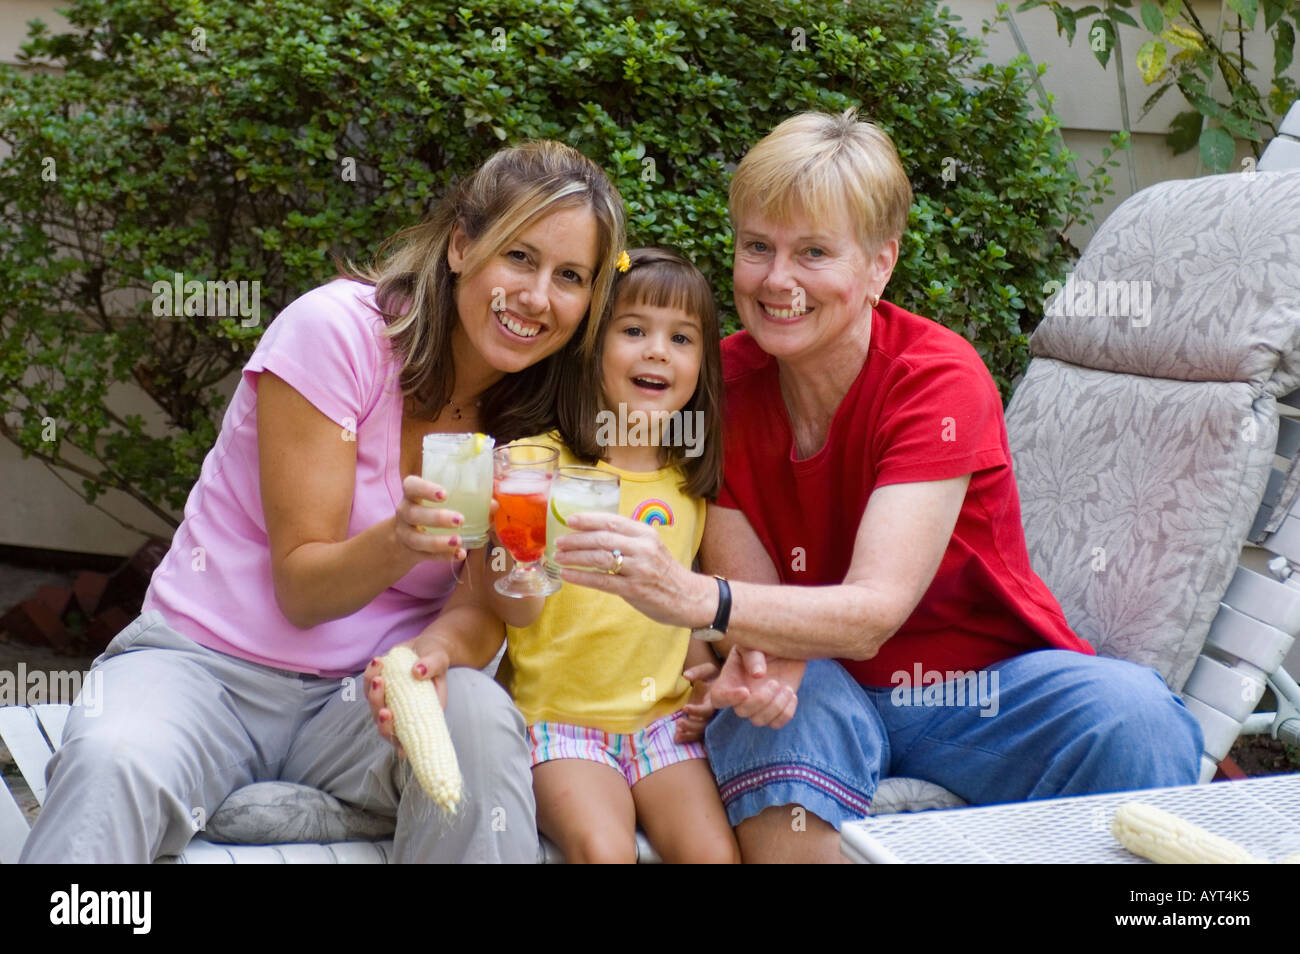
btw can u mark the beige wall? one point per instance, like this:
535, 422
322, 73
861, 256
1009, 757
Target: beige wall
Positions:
1087, 97
14, 16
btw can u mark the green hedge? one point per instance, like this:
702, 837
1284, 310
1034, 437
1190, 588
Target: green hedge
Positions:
233, 140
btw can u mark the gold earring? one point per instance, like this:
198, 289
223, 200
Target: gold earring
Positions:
875, 300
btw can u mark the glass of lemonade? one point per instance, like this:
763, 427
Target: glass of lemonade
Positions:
576, 490
461, 464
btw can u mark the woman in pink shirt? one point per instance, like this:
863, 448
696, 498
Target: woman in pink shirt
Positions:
300, 556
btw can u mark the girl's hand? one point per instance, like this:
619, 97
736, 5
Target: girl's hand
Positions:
699, 708
412, 514
648, 577
435, 662
763, 689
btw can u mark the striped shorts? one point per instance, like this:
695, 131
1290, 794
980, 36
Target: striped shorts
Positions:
634, 754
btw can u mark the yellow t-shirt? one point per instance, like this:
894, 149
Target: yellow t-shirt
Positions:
590, 659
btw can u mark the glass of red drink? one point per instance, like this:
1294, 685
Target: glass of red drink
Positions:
522, 475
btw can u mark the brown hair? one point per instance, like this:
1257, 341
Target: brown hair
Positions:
660, 278
415, 288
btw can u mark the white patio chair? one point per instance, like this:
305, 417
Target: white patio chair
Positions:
1284, 151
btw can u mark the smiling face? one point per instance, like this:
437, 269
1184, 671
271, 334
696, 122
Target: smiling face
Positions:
528, 300
802, 286
650, 358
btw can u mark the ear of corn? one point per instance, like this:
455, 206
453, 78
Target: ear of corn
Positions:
1167, 839
421, 728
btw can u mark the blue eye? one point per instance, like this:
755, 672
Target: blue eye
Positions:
820, 252
681, 339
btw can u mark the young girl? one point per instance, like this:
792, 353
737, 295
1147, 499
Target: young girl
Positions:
600, 686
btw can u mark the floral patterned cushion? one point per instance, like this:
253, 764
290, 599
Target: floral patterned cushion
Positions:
1142, 441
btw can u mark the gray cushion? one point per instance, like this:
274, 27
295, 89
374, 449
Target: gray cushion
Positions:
911, 795
274, 812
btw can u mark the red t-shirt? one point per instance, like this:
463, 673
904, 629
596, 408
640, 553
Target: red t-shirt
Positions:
924, 407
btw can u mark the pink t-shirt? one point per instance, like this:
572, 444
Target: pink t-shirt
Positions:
214, 585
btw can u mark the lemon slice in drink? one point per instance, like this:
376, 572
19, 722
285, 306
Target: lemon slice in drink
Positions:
473, 448
555, 509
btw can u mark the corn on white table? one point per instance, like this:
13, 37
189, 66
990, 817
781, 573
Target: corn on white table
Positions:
1262, 815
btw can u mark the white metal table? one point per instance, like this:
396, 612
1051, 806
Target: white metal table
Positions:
1260, 814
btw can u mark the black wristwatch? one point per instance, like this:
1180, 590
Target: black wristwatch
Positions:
718, 628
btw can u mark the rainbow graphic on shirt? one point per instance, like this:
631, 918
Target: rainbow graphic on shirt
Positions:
654, 512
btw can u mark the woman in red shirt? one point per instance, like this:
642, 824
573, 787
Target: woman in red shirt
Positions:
866, 462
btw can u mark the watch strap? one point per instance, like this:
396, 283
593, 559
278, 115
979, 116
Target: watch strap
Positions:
718, 628
723, 616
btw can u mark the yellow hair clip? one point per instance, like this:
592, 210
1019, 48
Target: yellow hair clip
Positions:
624, 262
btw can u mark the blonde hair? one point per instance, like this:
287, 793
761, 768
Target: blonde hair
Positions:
824, 166
415, 287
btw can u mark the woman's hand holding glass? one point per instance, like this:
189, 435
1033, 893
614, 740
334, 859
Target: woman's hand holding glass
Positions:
628, 559
419, 508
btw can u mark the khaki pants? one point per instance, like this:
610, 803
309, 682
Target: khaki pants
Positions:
177, 727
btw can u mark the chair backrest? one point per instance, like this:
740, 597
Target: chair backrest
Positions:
1284, 151
1144, 430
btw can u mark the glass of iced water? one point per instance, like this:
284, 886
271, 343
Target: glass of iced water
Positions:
576, 490
461, 464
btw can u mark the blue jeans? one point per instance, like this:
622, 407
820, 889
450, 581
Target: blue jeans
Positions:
1040, 725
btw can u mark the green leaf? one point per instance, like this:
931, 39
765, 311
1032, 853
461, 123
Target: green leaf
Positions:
1283, 95
1152, 17
1273, 10
1101, 38
1151, 59
1246, 9
1283, 47
1194, 90
1154, 97
1066, 21
1173, 8
1241, 127
1119, 16
1217, 149
1184, 131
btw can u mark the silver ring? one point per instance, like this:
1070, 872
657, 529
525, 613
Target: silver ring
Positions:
618, 562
